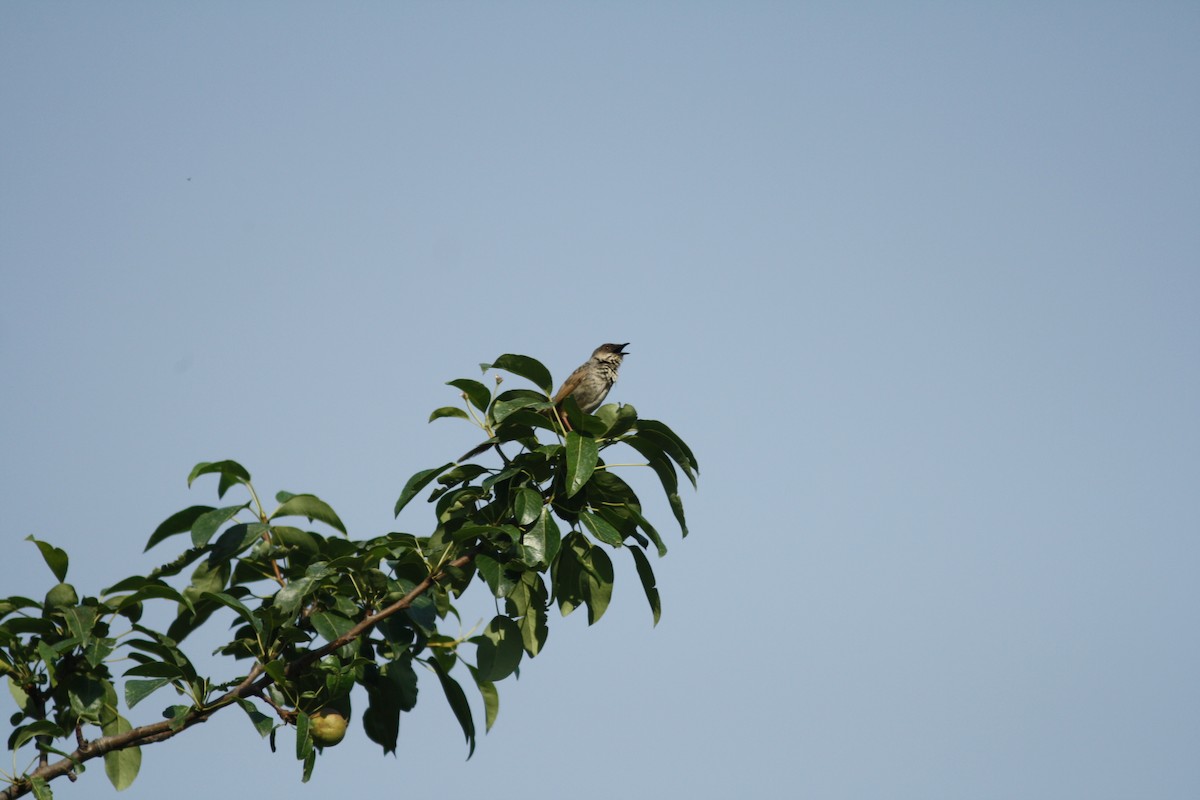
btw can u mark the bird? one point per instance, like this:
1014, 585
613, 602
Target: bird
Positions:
589, 384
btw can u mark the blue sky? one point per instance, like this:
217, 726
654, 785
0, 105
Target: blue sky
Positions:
918, 283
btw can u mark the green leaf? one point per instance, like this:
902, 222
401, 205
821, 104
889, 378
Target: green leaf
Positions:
416, 483
567, 573
618, 419
476, 392
527, 505
528, 601
209, 522
582, 456
329, 625
122, 765
601, 529
498, 578
41, 789
448, 411
289, 599
138, 690
666, 475
671, 444
55, 558
526, 367
645, 525
491, 698
178, 522
80, 621
508, 403
307, 505
161, 670
539, 545
304, 742
42, 727
391, 689
646, 573
86, 695
499, 649
458, 703
598, 578
231, 473
261, 722
237, 605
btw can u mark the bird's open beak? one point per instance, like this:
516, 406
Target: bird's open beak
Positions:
623, 351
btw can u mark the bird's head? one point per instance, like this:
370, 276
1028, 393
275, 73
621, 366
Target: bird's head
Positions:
610, 352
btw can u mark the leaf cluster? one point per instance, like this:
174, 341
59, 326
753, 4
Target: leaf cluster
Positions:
317, 613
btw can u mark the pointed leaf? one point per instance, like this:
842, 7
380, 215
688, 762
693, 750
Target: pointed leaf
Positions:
122, 765
650, 530
491, 699
418, 482
261, 722
178, 522
601, 529
671, 444
476, 392
307, 505
138, 690
448, 411
527, 506
539, 545
500, 649
55, 557
582, 456
526, 367
457, 699
231, 473
207, 523
646, 574
598, 576
304, 742
237, 605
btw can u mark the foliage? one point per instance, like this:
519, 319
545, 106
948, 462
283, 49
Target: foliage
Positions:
318, 613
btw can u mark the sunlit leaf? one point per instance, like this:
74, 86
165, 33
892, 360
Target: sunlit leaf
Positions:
526, 367
448, 411
209, 522
307, 505
122, 765
582, 456
476, 392
601, 529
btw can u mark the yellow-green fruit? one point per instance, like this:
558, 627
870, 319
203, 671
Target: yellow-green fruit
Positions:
327, 727
61, 596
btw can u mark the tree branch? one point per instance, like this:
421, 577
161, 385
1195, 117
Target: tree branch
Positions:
253, 684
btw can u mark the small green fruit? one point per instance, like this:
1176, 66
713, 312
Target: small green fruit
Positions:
61, 596
327, 727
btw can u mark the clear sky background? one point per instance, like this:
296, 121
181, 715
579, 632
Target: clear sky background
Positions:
919, 283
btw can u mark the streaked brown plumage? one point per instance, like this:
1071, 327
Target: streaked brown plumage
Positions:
590, 382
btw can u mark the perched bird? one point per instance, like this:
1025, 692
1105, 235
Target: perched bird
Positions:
588, 384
